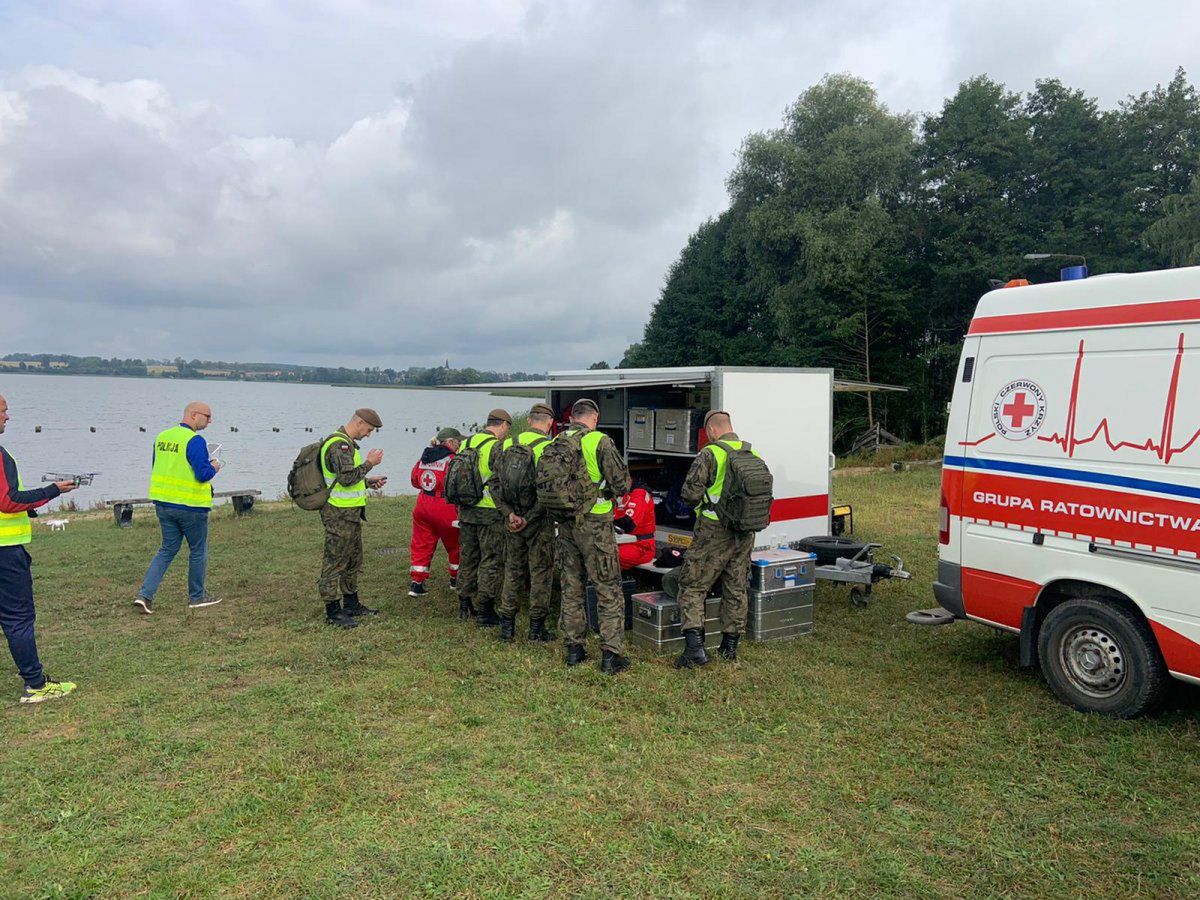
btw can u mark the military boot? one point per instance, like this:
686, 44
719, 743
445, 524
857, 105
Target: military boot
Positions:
614, 663
335, 615
353, 607
693, 652
466, 609
486, 617
576, 653
728, 648
538, 630
508, 626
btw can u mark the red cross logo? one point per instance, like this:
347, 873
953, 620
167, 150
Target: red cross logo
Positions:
1018, 409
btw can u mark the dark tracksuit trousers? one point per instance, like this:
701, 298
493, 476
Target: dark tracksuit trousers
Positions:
17, 615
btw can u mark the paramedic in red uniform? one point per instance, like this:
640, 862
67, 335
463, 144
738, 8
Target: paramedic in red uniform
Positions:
634, 514
433, 517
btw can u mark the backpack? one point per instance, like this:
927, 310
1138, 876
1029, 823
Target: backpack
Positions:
746, 497
306, 482
464, 482
518, 476
564, 487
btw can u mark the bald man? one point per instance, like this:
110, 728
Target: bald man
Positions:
181, 488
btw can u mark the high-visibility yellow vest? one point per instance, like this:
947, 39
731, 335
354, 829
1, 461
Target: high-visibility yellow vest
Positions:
713, 493
15, 528
589, 443
172, 479
485, 441
342, 495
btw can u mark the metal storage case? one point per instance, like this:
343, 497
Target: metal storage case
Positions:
656, 623
780, 615
676, 430
612, 407
641, 429
782, 569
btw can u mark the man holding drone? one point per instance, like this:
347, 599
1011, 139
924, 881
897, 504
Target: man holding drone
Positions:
16, 580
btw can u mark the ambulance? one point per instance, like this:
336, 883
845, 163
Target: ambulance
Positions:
1070, 503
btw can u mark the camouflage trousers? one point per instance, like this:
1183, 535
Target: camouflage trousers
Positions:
480, 560
716, 554
587, 548
529, 570
343, 552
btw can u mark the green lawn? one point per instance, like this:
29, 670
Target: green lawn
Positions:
248, 749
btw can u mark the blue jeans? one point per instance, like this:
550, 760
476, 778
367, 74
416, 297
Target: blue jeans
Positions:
178, 524
16, 613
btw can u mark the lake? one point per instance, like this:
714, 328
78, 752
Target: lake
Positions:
255, 456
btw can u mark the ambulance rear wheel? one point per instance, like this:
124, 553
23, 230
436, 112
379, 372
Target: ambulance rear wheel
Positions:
1100, 657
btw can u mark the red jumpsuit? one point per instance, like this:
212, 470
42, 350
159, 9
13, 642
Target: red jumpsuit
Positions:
637, 505
432, 516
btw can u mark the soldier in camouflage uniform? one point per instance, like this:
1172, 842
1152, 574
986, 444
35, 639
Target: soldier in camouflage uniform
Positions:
481, 531
529, 550
716, 553
343, 516
587, 548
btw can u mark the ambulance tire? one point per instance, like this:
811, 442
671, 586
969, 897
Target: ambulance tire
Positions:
1100, 657
830, 548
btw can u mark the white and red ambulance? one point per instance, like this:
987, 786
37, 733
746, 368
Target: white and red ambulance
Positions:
1071, 489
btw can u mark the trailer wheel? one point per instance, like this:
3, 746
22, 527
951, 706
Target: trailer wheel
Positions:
830, 548
1100, 657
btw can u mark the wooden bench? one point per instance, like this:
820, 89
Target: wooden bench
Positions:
242, 501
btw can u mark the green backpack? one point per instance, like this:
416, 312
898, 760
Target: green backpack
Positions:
518, 475
746, 497
564, 487
306, 482
464, 483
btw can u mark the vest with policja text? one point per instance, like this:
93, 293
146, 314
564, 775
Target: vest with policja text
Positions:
172, 479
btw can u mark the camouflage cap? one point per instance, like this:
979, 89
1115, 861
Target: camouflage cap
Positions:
583, 406
370, 417
449, 434
541, 409
501, 414
714, 412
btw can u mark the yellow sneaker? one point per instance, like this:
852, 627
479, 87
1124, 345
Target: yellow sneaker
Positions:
51, 690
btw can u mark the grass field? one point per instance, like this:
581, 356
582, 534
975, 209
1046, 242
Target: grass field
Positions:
250, 750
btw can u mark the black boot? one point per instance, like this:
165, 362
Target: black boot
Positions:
576, 653
728, 648
466, 609
353, 608
508, 626
486, 617
613, 663
693, 653
538, 630
335, 615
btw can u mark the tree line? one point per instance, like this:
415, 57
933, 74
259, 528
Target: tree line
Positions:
861, 239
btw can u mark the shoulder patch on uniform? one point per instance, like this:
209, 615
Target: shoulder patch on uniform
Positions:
343, 446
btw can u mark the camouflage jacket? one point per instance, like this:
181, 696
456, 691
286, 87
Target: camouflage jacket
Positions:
702, 474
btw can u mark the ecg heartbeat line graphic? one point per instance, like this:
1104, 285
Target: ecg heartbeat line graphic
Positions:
1164, 447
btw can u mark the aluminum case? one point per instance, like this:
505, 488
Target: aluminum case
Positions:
780, 615
676, 430
656, 623
640, 435
782, 569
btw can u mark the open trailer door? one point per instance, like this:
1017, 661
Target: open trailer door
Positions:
787, 415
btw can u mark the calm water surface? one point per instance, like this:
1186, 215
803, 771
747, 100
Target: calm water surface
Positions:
255, 456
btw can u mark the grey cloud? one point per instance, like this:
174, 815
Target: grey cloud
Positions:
514, 204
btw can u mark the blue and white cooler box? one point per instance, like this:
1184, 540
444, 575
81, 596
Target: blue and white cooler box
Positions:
782, 584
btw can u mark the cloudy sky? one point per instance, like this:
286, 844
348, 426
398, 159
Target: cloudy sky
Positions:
393, 183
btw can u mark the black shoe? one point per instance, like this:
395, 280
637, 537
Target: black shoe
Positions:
486, 617
454, 583
466, 609
335, 615
538, 630
693, 653
352, 607
728, 648
417, 589
614, 663
576, 653
508, 626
